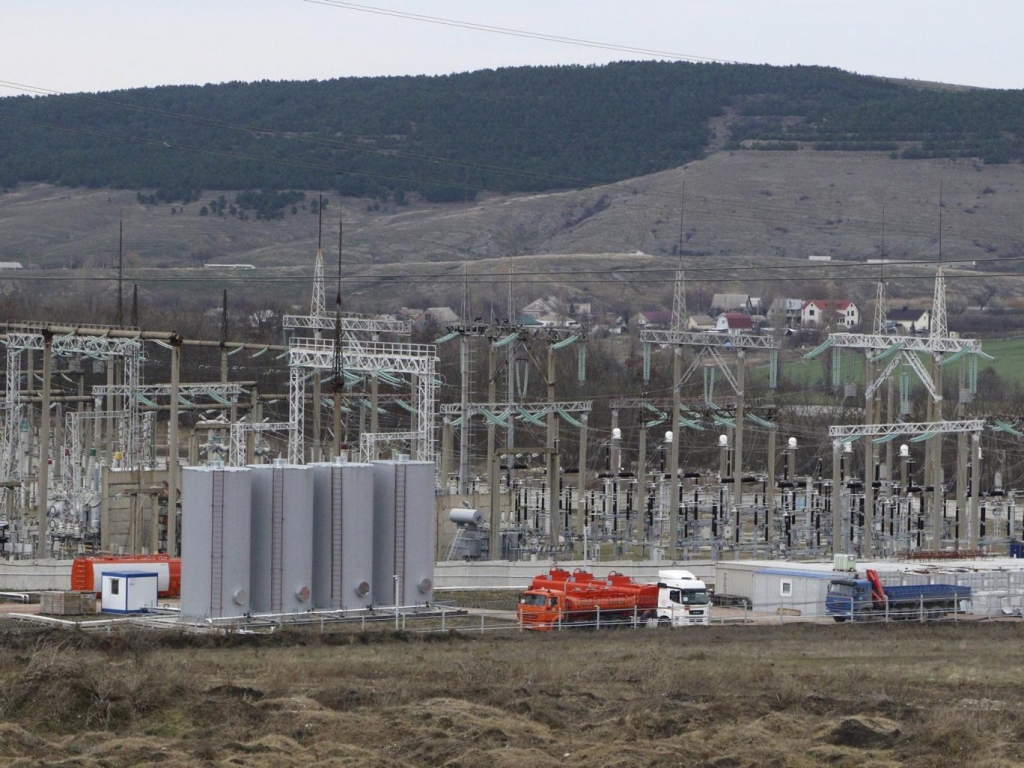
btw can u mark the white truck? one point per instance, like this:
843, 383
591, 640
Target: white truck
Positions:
682, 600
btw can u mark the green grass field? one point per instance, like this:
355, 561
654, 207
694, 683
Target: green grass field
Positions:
1008, 364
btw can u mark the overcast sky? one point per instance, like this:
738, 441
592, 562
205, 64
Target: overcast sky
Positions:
96, 45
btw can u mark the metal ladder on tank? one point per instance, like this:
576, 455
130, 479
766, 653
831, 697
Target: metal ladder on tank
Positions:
456, 541
400, 484
217, 544
337, 532
276, 540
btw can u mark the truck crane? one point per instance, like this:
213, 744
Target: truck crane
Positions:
866, 599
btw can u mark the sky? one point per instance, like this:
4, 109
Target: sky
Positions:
99, 45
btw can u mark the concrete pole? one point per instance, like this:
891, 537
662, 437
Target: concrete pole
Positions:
255, 416
153, 509
837, 499
869, 462
737, 462
673, 467
58, 441
375, 410
43, 493
975, 491
890, 418
581, 519
317, 424
464, 429
446, 452
641, 462
172, 451
493, 479
336, 442
769, 495
552, 459
936, 441
110, 412
616, 459
414, 417
962, 459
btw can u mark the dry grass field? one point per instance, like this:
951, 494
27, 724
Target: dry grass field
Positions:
798, 695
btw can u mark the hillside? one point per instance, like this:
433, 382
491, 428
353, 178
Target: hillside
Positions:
450, 138
739, 205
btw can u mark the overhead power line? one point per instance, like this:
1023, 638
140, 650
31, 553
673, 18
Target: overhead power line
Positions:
518, 32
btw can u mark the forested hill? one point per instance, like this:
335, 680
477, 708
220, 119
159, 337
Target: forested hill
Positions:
516, 129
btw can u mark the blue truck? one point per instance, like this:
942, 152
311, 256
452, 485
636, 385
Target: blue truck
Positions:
866, 599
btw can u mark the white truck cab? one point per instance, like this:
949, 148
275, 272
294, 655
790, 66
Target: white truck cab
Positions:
682, 599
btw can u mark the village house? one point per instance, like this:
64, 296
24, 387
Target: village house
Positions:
655, 318
735, 302
733, 322
701, 323
787, 312
910, 320
822, 312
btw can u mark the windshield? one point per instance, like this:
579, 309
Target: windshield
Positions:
844, 590
689, 596
536, 600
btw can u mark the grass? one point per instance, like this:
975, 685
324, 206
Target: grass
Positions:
934, 695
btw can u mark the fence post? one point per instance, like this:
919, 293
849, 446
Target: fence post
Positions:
852, 614
886, 609
482, 617
598, 625
956, 605
442, 619
922, 601
559, 619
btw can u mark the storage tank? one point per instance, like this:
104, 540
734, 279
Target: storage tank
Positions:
342, 535
282, 538
215, 528
403, 532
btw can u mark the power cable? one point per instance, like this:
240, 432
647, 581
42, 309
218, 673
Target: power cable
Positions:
517, 32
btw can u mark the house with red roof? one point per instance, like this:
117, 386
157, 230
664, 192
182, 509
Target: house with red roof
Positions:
823, 312
657, 318
734, 322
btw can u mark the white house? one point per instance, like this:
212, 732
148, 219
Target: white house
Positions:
733, 322
822, 312
700, 323
910, 320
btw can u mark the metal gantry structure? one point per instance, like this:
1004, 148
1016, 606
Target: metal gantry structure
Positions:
706, 346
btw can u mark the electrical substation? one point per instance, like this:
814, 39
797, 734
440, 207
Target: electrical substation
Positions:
297, 477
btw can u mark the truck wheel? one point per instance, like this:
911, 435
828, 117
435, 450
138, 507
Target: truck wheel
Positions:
839, 619
664, 623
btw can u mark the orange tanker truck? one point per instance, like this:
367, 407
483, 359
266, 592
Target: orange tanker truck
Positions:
562, 599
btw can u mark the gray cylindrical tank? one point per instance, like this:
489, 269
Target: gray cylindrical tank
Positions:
403, 532
215, 534
282, 538
342, 535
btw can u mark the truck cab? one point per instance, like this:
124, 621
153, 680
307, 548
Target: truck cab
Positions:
847, 597
682, 599
539, 609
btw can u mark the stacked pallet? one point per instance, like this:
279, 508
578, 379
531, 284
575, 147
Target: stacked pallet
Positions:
67, 603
